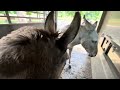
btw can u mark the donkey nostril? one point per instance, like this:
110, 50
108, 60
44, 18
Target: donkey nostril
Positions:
95, 54
91, 55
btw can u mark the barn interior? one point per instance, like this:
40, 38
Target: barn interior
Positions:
105, 65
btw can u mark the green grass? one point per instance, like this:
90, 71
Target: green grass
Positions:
91, 15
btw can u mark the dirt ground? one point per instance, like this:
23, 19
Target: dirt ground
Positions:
80, 65
80, 61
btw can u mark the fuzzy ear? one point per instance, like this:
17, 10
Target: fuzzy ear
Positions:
88, 25
50, 24
86, 22
84, 17
71, 32
95, 24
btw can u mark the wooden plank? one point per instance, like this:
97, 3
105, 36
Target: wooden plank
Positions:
108, 59
111, 50
115, 58
106, 43
34, 12
44, 15
22, 17
37, 12
101, 21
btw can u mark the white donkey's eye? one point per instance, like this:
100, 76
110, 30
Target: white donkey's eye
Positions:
94, 41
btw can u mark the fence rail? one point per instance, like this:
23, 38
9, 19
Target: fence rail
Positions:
38, 14
22, 17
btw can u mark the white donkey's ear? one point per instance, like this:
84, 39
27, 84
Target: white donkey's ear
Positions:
86, 21
50, 24
84, 17
88, 25
95, 24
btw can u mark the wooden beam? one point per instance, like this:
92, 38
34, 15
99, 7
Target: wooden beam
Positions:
35, 12
101, 21
44, 15
22, 17
56, 14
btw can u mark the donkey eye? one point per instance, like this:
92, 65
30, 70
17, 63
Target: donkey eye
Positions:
94, 41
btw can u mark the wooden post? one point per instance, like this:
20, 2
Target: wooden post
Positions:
56, 14
44, 13
37, 14
8, 17
101, 21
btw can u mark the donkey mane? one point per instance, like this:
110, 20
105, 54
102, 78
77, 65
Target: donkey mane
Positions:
19, 43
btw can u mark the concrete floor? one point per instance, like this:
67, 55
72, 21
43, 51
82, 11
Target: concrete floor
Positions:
80, 65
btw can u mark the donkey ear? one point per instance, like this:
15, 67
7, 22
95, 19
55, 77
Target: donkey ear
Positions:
71, 32
50, 24
84, 17
85, 20
88, 25
95, 24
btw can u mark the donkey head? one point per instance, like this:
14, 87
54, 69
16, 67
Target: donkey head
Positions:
56, 47
89, 38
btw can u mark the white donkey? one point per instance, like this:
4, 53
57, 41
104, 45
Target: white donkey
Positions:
87, 37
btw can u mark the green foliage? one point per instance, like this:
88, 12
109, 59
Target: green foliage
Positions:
10, 12
90, 15
29, 13
2, 12
68, 15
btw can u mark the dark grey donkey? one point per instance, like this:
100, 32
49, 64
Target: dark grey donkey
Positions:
32, 53
87, 37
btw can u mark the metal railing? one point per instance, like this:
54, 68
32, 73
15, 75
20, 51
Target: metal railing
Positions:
38, 14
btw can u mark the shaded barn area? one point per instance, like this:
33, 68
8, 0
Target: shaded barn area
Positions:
106, 65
